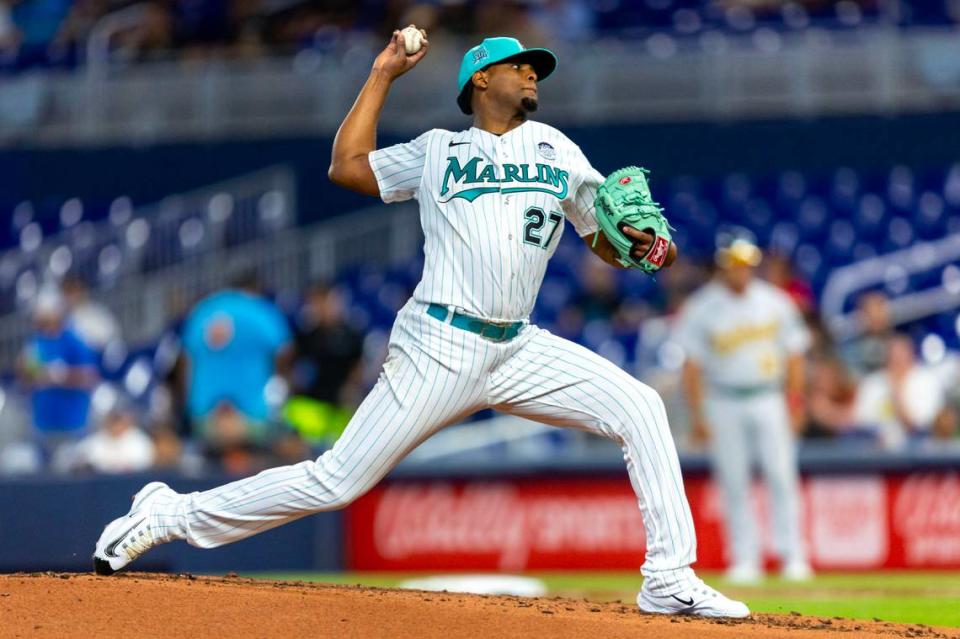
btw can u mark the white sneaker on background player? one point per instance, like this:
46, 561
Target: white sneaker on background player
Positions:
744, 574
796, 571
127, 537
697, 599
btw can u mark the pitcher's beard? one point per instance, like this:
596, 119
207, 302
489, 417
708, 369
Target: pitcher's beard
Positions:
529, 104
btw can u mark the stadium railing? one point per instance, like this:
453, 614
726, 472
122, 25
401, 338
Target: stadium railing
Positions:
715, 75
146, 302
847, 281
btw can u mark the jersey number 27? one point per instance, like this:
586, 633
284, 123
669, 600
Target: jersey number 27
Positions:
536, 219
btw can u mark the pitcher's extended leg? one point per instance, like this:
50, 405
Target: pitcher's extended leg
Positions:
413, 399
435, 375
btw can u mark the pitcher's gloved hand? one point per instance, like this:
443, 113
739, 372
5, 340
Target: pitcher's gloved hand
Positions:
632, 222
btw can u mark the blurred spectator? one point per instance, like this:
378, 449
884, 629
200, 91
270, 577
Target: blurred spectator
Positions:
946, 425
59, 370
831, 395
118, 446
167, 447
168, 402
9, 36
35, 26
41, 32
92, 321
822, 345
868, 352
780, 273
235, 343
330, 355
17, 454
900, 401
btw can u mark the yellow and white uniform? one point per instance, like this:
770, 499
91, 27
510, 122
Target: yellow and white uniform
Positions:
741, 343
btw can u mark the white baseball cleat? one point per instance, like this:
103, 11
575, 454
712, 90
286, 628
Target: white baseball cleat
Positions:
744, 574
797, 571
696, 599
126, 538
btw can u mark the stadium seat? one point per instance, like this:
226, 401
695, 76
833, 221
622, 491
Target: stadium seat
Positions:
812, 218
869, 216
71, 212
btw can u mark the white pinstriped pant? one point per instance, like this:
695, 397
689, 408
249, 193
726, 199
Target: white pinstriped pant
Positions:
434, 376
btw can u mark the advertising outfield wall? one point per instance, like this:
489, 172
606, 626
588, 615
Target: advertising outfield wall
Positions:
861, 514
852, 522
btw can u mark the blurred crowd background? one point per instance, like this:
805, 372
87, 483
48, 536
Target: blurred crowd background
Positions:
237, 363
55, 33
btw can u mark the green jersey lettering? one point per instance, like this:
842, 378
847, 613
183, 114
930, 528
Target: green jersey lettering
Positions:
466, 174
552, 180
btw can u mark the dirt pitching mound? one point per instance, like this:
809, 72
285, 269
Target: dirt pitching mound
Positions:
142, 605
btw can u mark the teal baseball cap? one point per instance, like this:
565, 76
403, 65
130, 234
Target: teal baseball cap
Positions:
492, 51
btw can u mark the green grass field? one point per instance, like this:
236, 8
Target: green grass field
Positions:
906, 597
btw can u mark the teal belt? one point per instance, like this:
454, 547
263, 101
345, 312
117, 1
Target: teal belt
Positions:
743, 392
493, 331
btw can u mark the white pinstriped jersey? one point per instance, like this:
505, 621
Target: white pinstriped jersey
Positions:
492, 210
741, 340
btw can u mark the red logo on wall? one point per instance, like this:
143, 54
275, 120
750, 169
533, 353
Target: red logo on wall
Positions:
865, 521
498, 525
926, 516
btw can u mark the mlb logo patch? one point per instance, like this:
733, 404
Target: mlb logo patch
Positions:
658, 254
546, 150
480, 54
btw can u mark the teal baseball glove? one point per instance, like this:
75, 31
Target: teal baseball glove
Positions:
624, 200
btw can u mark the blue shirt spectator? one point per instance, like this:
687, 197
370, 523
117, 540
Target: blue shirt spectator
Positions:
39, 20
231, 340
60, 370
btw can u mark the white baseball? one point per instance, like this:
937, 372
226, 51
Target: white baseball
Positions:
412, 39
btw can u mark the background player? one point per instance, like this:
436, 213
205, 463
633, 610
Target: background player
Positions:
745, 342
492, 202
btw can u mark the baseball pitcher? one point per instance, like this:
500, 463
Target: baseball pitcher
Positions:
493, 200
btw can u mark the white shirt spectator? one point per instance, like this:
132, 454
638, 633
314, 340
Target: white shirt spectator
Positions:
921, 394
95, 324
118, 446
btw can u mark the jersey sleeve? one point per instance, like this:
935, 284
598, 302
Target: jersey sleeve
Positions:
399, 168
579, 207
795, 336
